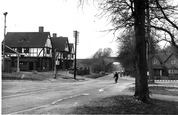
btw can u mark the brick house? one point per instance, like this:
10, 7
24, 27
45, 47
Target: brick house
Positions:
172, 64
35, 49
165, 64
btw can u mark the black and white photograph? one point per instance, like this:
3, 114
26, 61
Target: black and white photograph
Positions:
89, 57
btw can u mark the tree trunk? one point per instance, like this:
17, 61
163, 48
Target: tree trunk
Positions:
141, 88
150, 43
150, 67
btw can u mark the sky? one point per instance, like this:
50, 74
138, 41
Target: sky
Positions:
61, 17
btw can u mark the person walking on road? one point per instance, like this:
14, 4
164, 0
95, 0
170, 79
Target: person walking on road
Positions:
116, 77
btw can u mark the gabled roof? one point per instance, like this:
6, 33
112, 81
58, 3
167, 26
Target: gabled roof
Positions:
162, 57
59, 43
26, 39
71, 46
172, 54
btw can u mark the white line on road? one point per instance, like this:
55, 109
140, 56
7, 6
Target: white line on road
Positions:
42, 106
123, 86
83, 94
102, 89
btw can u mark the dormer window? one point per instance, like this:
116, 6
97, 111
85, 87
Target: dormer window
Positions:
22, 40
154, 61
173, 61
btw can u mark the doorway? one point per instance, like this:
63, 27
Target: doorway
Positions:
31, 65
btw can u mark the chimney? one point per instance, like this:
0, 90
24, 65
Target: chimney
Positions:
41, 29
54, 35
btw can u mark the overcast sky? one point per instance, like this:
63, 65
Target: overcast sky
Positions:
61, 17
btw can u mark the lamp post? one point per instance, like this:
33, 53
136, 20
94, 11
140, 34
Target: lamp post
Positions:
5, 14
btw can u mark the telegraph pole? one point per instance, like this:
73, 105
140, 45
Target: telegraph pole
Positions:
5, 14
55, 64
76, 35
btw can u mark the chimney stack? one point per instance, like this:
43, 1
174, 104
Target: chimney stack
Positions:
54, 35
41, 29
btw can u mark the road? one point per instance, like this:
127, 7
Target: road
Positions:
27, 97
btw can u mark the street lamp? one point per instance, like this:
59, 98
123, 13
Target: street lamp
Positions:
5, 14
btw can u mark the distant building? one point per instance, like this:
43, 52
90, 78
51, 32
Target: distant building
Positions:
172, 64
38, 51
64, 52
165, 64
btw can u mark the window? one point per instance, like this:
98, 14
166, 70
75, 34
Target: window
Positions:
173, 61
23, 63
19, 50
33, 52
48, 50
66, 45
175, 71
26, 50
171, 71
22, 39
154, 61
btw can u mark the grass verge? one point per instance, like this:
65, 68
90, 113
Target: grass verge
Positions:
125, 105
163, 90
25, 76
40, 76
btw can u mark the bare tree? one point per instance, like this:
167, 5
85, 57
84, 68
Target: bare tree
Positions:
164, 18
131, 14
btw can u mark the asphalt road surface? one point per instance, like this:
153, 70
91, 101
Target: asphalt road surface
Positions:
27, 97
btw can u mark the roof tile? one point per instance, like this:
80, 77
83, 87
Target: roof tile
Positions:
26, 39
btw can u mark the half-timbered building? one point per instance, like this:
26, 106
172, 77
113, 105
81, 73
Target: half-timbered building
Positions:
61, 51
35, 49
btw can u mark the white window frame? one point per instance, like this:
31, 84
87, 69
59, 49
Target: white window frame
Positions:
154, 61
173, 61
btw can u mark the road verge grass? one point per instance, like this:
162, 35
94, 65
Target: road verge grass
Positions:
123, 104
40, 76
162, 90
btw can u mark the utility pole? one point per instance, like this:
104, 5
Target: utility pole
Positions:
55, 64
55, 59
5, 14
76, 35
